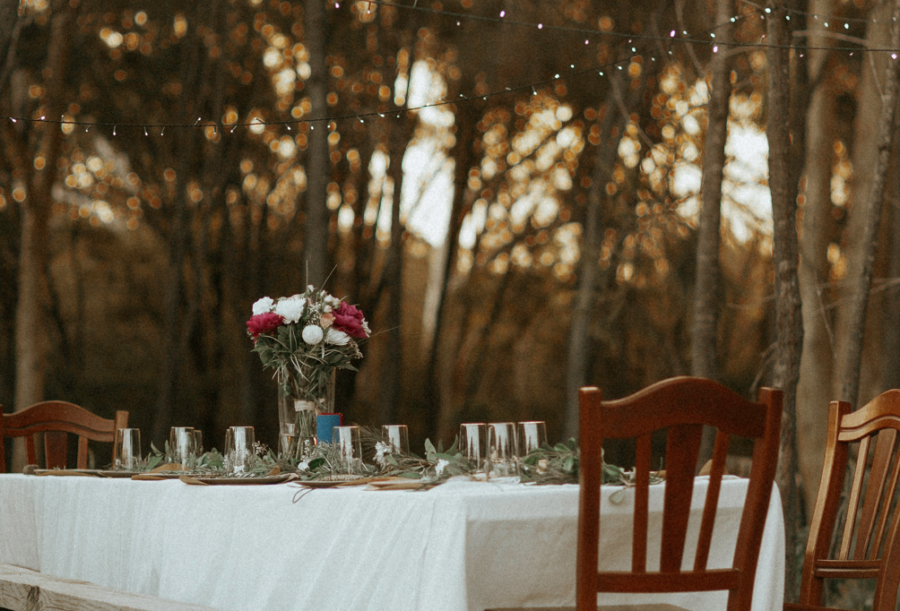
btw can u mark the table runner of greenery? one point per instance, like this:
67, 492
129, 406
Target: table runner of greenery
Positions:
550, 464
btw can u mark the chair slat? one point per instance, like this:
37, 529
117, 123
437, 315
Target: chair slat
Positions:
641, 504
682, 450
704, 542
884, 500
884, 449
55, 449
83, 453
853, 501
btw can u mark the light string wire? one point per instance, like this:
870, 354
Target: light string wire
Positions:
671, 39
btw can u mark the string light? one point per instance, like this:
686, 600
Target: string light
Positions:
672, 34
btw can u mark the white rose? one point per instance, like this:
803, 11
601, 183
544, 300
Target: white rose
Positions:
262, 306
291, 308
312, 334
338, 338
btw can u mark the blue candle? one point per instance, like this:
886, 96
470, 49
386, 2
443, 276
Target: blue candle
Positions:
325, 423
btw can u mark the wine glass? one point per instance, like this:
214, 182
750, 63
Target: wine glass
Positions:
239, 442
502, 450
128, 449
473, 444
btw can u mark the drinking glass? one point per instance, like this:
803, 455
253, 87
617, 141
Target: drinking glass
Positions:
502, 450
349, 445
181, 446
198, 442
287, 445
239, 442
472, 443
531, 435
398, 436
128, 449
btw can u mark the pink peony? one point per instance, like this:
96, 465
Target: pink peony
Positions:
263, 323
350, 320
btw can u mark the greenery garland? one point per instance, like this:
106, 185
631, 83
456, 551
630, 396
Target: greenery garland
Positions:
547, 465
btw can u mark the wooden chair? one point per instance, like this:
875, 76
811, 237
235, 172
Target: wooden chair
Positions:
866, 545
681, 406
55, 419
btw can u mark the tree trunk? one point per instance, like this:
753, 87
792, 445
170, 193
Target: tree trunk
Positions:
178, 323
890, 347
816, 365
870, 212
788, 317
705, 332
392, 361
316, 227
704, 336
32, 342
466, 120
588, 266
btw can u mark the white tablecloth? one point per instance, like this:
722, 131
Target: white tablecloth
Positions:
463, 546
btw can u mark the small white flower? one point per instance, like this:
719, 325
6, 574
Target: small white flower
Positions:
312, 334
381, 451
303, 466
262, 306
291, 308
440, 466
338, 338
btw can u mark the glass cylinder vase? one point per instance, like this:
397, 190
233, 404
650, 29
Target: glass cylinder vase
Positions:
297, 411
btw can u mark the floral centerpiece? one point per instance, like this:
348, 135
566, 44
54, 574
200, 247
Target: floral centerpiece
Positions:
304, 339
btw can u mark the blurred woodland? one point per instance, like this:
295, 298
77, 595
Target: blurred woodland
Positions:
523, 197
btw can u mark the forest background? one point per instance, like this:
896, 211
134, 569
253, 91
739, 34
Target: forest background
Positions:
523, 197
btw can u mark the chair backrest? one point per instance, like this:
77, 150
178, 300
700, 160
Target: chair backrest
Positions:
56, 419
865, 545
681, 406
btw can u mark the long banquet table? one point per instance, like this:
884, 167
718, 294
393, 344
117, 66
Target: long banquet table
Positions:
462, 546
